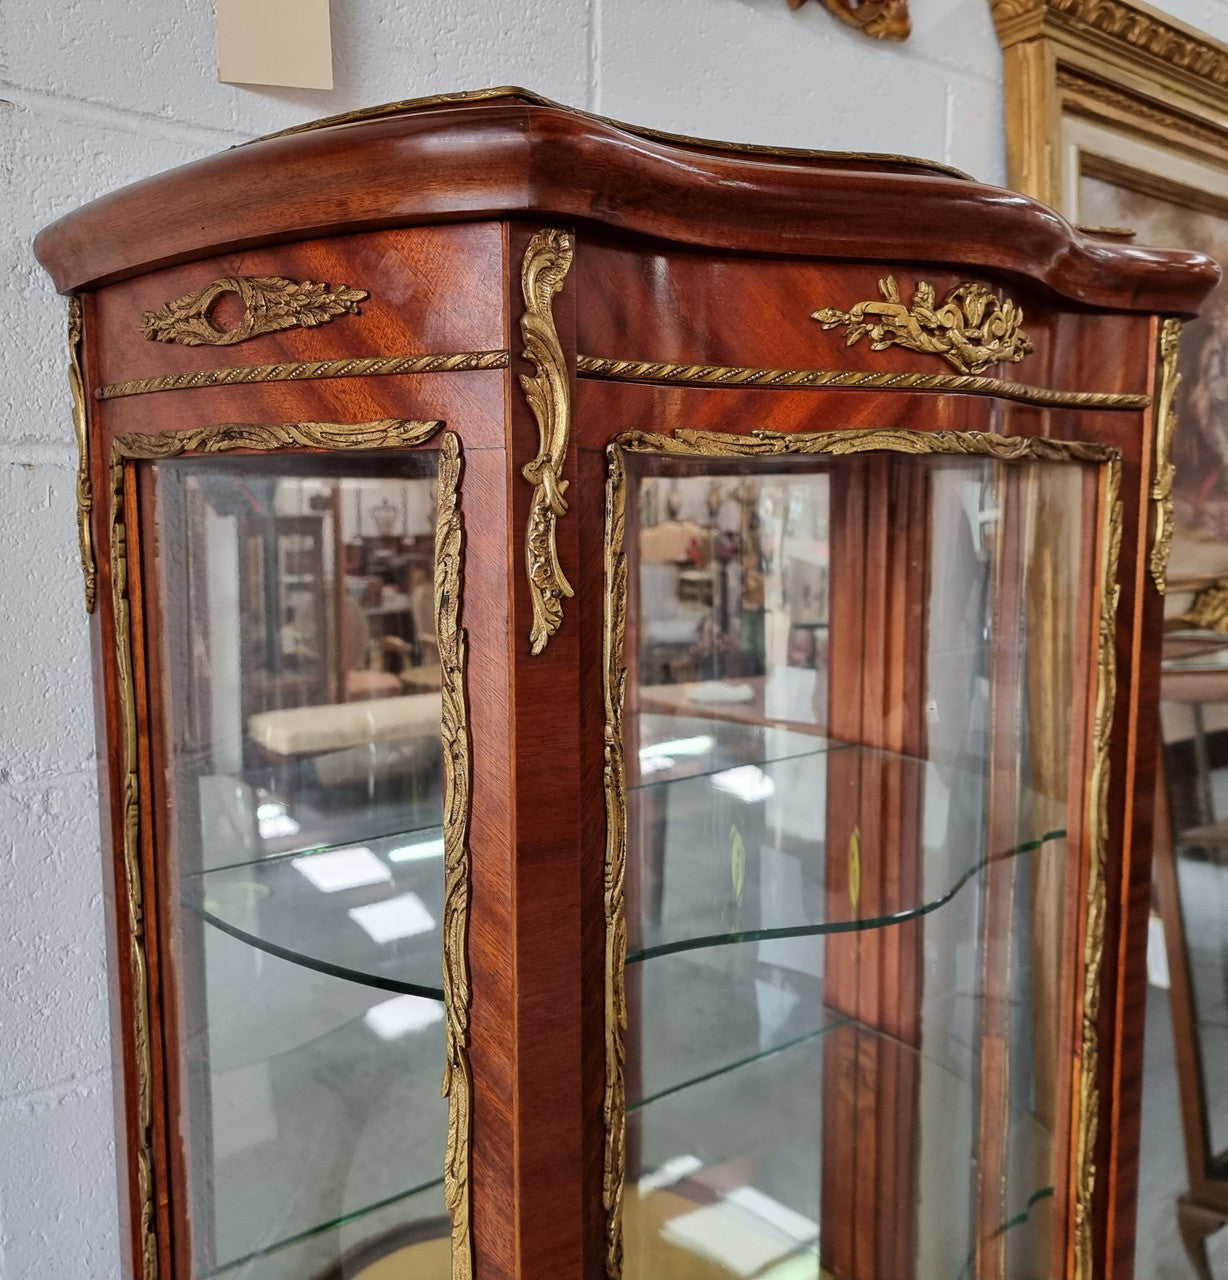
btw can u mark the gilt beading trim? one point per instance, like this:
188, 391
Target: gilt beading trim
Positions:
130, 820
1088, 1121
1165, 426
270, 304
614, 1106
546, 263
458, 1077
80, 420
715, 375
292, 371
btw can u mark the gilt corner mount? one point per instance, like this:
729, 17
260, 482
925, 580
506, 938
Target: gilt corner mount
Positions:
546, 263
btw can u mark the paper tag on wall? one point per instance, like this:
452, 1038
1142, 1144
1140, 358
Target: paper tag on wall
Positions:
281, 42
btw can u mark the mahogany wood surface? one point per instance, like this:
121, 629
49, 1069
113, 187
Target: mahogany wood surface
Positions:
689, 307
681, 256
431, 290
482, 160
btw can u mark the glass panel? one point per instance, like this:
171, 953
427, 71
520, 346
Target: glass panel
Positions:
1202, 880
1194, 718
858, 693
302, 713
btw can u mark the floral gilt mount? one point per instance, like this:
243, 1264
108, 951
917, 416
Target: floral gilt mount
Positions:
270, 304
882, 19
970, 329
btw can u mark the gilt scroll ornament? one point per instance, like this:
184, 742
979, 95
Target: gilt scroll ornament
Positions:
546, 263
1165, 425
85, 492
882, 19
970, 329
270, 304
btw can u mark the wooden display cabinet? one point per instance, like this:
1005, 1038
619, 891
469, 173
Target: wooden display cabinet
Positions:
756, 839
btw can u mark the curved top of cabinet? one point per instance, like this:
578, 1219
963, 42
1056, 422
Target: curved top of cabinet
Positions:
507, 153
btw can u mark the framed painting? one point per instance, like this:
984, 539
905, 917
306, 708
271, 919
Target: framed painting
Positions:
1117, 116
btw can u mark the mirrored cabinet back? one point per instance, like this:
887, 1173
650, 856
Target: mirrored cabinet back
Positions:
658, 636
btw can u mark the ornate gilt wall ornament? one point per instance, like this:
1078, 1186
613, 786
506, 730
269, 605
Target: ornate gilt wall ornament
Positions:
760, 443
970, 329
614, 633
546, 263
291, 371
85, 492
1097, 883
389, 433
1165, 425
715, 375
882, 19
458, 1078
270, 304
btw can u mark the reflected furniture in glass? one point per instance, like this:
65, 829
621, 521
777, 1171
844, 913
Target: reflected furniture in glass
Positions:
1191, 881
655, 635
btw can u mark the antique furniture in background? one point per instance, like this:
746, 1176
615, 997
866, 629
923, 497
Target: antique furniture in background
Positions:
770, 891
1191, 840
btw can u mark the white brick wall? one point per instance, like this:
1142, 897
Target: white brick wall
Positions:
98, 93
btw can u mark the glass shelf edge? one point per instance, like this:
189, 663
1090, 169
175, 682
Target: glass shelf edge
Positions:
319, 966
310, 1233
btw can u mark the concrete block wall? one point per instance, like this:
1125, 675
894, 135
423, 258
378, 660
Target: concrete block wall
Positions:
95, 94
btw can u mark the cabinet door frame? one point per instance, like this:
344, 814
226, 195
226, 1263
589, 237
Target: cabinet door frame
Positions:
1075, 1160
149, 1015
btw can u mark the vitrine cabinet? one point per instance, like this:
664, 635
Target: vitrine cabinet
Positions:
661, 635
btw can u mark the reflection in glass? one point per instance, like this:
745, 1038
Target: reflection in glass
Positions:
1188, 1075
858, 694
304, 779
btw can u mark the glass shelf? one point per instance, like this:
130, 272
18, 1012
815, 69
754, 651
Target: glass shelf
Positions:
325, 1121
245, 824
735, 855
673, 747
310, 1251
730, 1175
369, 913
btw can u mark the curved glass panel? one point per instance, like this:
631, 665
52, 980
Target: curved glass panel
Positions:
855, 728
301, 837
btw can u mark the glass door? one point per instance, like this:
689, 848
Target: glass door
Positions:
856, 732
304, 864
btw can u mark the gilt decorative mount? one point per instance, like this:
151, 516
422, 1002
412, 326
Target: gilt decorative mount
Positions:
547, 261
882, 19
270, 304
970, 329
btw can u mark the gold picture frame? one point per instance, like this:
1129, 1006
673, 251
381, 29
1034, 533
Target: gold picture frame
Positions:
1117, 116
